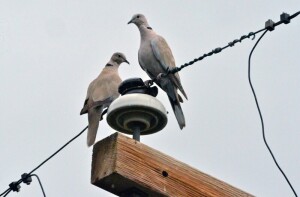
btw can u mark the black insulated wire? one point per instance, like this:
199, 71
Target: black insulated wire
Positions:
37, 177
15, 185
269, 25
260, 114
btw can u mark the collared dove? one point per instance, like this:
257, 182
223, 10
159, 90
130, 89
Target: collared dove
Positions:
100, 94
155, 57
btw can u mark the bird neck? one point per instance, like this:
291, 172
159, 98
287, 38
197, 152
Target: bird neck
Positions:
108, 64
111, 65
145, 30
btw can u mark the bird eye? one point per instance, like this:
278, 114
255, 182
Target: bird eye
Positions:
119, 55
138, 16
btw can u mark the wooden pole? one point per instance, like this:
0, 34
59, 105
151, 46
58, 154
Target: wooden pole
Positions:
126, 167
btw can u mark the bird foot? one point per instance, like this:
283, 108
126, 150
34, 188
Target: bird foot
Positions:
103, 113
148, 83
159, 76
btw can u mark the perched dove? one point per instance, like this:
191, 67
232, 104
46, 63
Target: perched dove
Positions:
101, 92
155, 57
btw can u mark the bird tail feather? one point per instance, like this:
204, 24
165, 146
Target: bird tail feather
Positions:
178, 112
183, 92
94, 116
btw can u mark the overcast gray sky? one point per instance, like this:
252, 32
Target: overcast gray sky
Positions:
51, 50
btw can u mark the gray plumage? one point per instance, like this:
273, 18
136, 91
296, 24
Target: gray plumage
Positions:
101, 92
155, 57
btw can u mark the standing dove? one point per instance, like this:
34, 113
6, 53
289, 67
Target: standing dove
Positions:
100, 94
155, 57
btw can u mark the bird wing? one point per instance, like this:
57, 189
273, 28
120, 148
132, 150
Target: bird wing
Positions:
164, 56
87, 99
106, 86
162, 52
102, 91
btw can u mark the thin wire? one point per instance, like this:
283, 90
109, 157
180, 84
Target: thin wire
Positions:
40, 183
58, 150
20, 180
9, 190
260, 115
173, 70
5, 192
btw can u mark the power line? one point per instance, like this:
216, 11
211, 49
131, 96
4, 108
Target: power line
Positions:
37, 177
260, 114
66, 144
25, 179
5, 192
15, 186
269, 25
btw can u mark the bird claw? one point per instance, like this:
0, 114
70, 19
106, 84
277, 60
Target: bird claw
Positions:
148, 83
103, 113
159, 76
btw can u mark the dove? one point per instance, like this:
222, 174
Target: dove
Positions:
101, 92
155, 57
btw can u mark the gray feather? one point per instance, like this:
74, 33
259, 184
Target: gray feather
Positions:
101, 92
94, 118
155, 57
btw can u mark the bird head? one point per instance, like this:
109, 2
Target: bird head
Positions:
138, 20
119, 58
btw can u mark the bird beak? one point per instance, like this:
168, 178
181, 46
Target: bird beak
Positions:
129, 22
126, 61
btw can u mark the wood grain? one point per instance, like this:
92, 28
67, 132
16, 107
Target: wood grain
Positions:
121, 163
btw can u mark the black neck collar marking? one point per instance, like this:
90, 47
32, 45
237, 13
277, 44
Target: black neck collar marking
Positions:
108, 64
